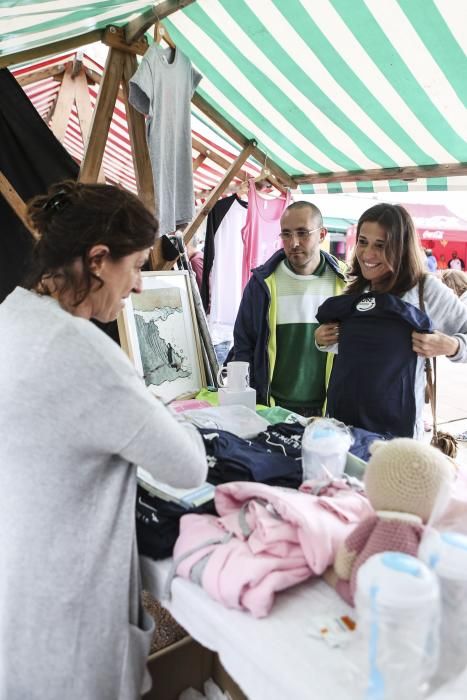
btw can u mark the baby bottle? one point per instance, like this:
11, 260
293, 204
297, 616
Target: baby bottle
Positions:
397, 602
446, 554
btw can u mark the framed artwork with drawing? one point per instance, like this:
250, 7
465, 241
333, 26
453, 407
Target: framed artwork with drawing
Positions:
159, 333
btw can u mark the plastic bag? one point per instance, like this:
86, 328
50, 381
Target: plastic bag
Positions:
325, 444
236, 419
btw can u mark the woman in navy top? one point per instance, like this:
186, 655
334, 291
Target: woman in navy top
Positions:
379, 332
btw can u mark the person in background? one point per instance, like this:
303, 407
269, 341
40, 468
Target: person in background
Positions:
455, 262
457, 281
196, 259
387, 259
442, 264
274, 329
75, 420
431, 262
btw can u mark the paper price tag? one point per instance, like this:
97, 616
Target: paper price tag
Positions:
335, 631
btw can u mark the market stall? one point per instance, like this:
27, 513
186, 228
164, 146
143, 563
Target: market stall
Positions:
305, 130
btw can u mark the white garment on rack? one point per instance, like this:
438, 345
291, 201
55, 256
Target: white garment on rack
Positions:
226, 274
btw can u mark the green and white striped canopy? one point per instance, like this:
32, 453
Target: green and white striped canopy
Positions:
324, 86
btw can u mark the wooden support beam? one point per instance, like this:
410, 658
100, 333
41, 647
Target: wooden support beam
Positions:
15, 202
102, 117
224, 163
96, 78
138, 26
411, 172
84, 110
63, 105
57, 47
199, 160
158, 261
209, 153
139, 144
284, 178
51, 110
114, 38
41, 74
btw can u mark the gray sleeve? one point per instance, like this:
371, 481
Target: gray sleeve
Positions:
448, 314
129, 421
142, 88
169, 448
195, 79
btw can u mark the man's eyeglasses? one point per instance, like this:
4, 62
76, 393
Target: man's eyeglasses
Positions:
301, 233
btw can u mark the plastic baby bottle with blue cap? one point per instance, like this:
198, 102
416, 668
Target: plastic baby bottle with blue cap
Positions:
397, 602
446, 554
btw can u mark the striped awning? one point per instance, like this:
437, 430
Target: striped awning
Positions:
324, 86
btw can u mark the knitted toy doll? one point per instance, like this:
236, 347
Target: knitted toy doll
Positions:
404, 480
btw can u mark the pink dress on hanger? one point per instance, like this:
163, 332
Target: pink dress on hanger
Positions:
262, 228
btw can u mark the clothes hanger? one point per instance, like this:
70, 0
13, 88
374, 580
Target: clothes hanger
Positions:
161, 33
242, 189
266, 176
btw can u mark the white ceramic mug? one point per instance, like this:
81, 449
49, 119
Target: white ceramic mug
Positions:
238, 376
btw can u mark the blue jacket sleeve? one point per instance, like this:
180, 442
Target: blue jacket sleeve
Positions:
246, 330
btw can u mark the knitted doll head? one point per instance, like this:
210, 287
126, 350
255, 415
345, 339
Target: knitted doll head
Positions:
407, 476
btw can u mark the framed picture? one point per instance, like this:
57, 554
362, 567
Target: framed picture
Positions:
159, 333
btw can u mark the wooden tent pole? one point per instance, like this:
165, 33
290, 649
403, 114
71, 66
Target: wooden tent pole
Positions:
199, 160
139, 144
102, 117
41, 74
158, 261
63, 105
84, 110
411, 172
15, 202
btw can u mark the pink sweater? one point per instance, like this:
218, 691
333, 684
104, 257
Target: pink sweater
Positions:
267, 539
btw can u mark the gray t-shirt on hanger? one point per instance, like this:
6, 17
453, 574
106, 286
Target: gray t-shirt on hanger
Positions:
163, 90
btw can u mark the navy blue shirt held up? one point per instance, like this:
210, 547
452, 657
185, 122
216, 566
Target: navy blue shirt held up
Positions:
373, 377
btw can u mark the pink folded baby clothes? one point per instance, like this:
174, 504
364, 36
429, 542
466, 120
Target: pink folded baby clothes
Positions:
266, 539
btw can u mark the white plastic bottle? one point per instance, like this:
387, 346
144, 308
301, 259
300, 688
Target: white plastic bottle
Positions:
397, 602
446, 554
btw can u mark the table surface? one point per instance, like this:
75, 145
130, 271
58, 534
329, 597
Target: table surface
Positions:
274, 658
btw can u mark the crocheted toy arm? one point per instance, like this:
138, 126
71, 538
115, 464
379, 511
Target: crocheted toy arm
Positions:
352, 546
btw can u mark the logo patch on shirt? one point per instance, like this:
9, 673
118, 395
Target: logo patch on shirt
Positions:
366, 304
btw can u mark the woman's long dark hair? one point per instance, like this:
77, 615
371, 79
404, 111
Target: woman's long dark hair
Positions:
402, 251
72, 218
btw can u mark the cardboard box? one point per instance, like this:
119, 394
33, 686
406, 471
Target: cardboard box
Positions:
187, 664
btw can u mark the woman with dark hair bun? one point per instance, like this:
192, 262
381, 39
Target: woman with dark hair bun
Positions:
379, 329
75, 419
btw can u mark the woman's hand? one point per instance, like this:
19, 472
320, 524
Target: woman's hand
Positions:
434, 344
327, 334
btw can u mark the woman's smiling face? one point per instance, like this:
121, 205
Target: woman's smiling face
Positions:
370, 253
